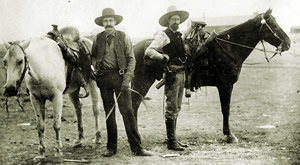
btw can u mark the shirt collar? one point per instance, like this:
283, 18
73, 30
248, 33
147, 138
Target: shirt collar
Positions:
113, 33
175, 32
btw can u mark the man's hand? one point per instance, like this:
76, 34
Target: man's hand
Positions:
125, 86
165, 59
126, 82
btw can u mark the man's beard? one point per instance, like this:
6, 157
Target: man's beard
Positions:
175, 26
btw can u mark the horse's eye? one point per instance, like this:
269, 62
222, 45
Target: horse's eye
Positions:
4, 62
20, 62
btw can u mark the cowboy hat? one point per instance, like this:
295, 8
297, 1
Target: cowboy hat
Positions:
172, 10
108, 12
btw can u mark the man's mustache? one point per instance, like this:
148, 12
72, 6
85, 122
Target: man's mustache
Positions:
108, 26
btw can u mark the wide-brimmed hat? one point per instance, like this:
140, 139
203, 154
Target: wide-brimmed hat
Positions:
172, 10
108, 12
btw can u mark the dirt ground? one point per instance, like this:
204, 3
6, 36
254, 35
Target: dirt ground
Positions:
265, 117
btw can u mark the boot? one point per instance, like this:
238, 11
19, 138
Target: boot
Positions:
172, 143
181, 144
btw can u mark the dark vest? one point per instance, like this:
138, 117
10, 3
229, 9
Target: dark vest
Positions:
120, 49
175, 49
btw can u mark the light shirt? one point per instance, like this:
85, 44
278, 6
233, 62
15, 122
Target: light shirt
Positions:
160, 40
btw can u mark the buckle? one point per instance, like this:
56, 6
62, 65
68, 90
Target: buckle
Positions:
121, 72
183, 61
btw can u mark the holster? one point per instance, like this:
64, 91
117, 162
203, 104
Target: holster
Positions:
170, 77
170, 72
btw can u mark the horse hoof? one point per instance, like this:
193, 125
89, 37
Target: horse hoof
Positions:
232, 139
58, 159
39, 159
97, 140
77, 144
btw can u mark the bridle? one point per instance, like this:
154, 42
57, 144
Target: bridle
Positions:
19, 82
279, 48
263, 22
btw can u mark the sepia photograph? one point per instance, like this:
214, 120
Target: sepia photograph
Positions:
142, 82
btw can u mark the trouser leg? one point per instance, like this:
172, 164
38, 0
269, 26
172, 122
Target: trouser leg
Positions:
174, 93
126, 110
108, 102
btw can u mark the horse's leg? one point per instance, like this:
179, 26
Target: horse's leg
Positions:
225, 92
95, 96
77, 106
39, 109
57, 112
142, 86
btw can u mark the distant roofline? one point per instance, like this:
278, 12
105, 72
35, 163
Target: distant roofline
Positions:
224, 20
295, 27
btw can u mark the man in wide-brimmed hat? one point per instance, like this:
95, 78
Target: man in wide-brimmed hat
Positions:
170, 41
114, 63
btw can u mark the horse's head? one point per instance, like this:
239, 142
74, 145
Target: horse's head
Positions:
15, 65
271, 32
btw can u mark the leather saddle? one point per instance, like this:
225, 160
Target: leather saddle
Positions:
71, 36
211, 37
75, 52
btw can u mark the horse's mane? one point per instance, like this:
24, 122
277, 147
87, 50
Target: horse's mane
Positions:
241, 28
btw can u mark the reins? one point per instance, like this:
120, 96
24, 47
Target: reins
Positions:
245, 46
249, 47
134, 91
263, 22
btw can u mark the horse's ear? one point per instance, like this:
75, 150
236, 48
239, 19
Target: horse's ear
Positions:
6, 45
269, 11
25, 44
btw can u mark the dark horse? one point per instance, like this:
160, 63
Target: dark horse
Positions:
221, 63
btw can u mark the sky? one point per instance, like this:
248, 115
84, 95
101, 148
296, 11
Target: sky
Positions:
24, 19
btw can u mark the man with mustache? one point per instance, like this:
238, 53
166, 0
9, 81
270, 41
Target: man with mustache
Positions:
114, 63
170, 41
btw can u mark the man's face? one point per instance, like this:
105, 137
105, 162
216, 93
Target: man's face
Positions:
174, 22
109, 23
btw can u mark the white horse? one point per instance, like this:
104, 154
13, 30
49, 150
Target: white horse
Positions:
41, 62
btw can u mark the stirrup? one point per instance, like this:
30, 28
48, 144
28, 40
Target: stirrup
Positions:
86, 93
